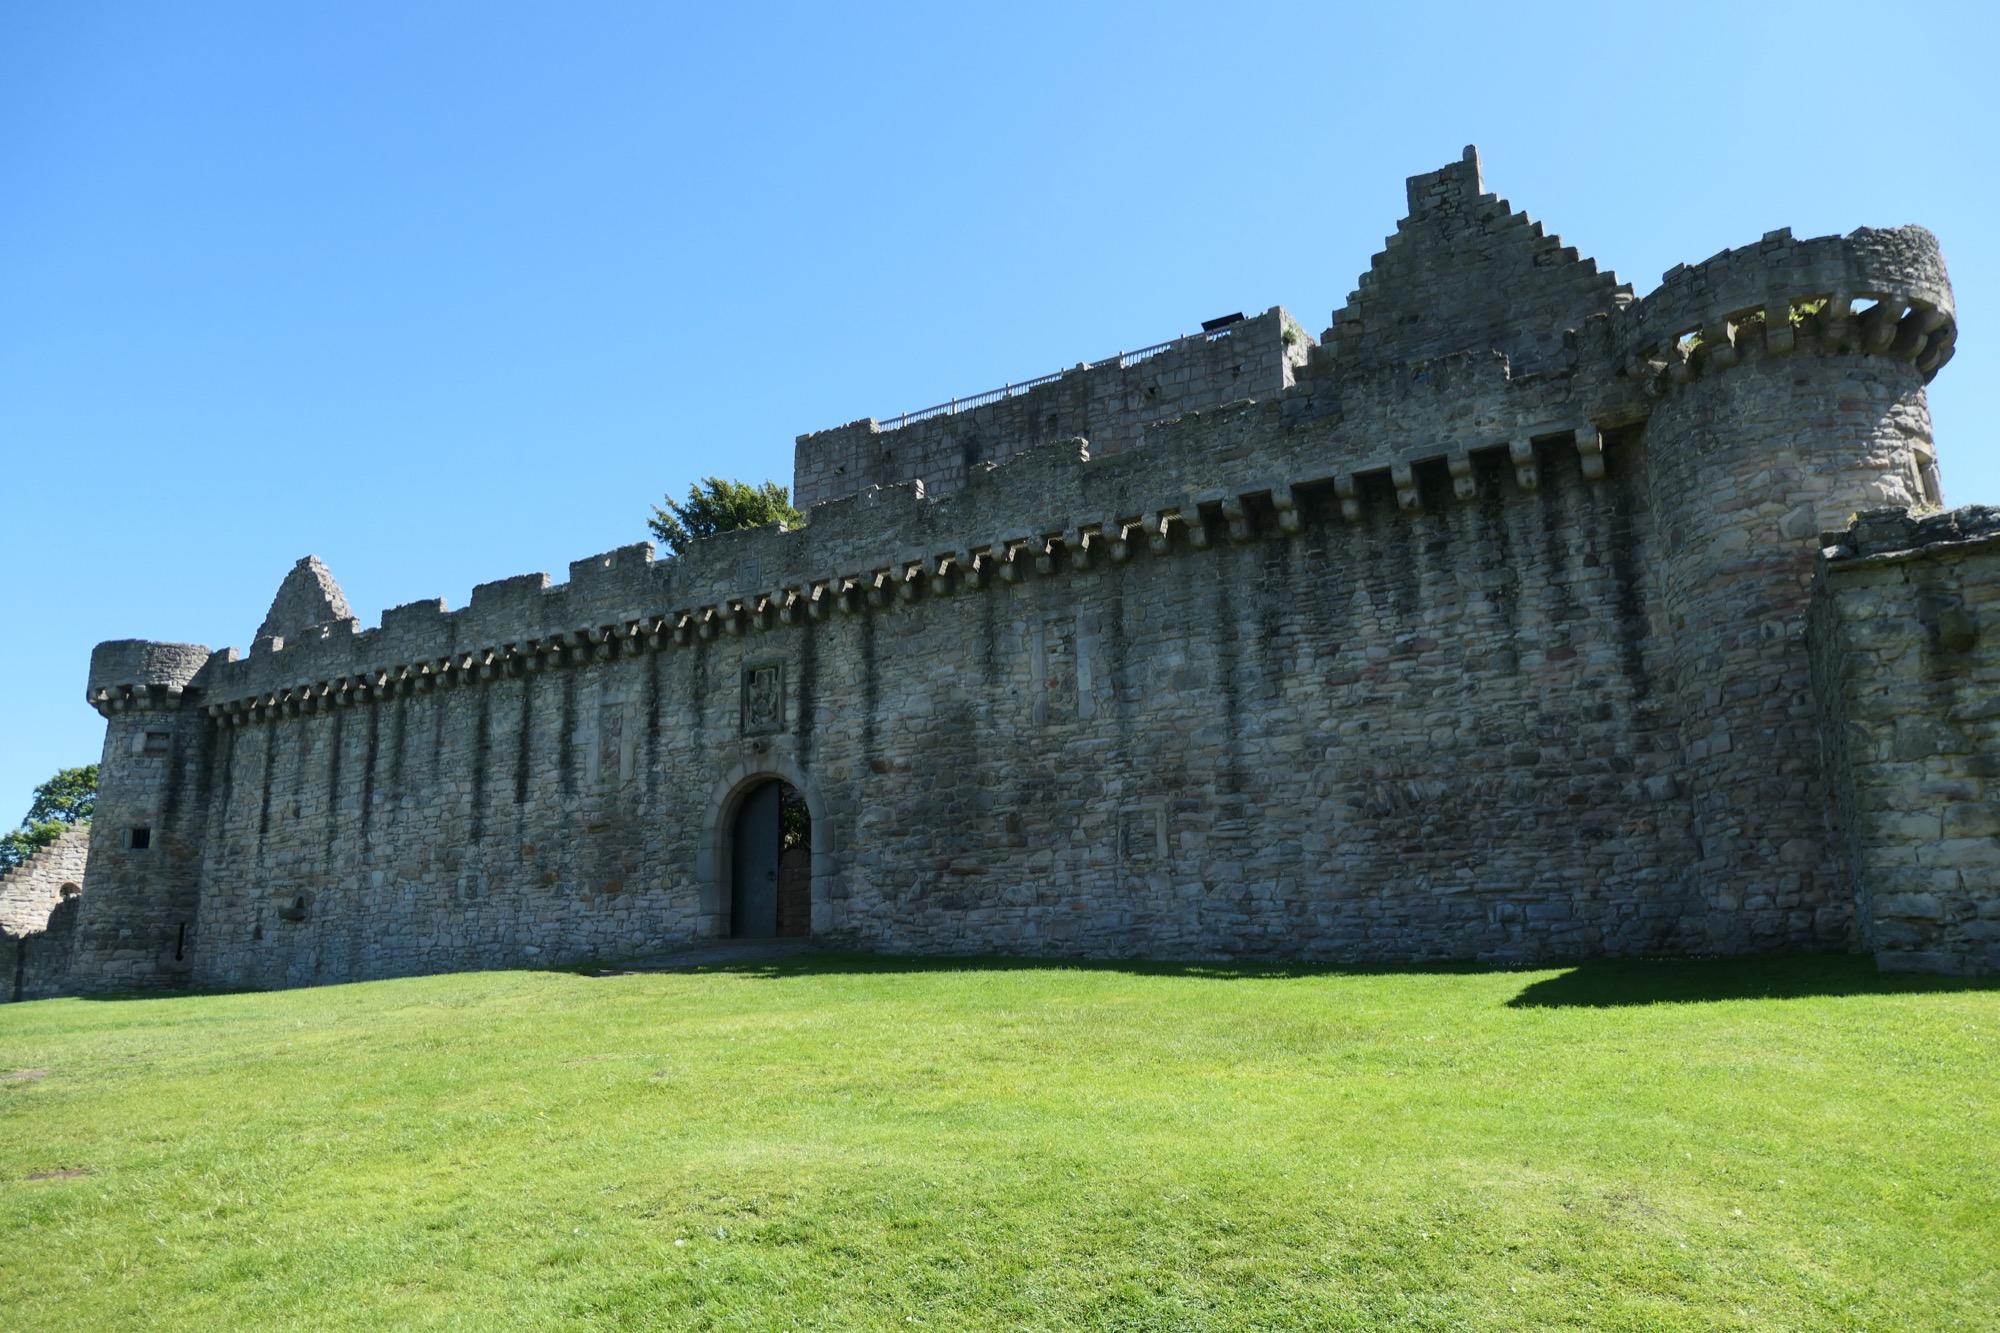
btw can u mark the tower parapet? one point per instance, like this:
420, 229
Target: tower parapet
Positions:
1476, 631
135, 928
1784, 295
1778, 412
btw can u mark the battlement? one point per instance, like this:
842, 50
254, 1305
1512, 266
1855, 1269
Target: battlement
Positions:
1784, 295
1466, 633
137, 674
1108, 402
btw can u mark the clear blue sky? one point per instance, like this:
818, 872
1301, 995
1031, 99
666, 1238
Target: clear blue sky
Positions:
447, 292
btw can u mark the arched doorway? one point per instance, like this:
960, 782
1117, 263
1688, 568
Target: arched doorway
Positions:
770, 880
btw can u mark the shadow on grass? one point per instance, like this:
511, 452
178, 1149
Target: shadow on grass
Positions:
174, 993
1601, 984
1609, 985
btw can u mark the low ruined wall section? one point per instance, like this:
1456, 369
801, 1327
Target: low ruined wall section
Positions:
31, 890
1906, 657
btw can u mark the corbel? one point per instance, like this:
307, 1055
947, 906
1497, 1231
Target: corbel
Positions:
1879, 325
972, 570
1522, 454
1159, 530
1780, 338
1590, 450
1405, 480
1463, 484
1350, 502
1836, 322
877, 587
1938, 350
1679, 369
1914, 333
1718, 342
1237, 517
1287, 506
1078, 541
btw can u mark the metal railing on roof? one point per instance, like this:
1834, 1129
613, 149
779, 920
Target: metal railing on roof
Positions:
953, 406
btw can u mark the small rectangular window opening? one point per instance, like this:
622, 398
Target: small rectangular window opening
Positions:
138, 839
181, 943
158, 742
1930, 489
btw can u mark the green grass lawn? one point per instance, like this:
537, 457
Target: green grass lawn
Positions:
841, 1142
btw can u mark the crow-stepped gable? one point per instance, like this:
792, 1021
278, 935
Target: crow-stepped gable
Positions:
1513, 618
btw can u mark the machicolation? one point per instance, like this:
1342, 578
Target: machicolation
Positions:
1514, 618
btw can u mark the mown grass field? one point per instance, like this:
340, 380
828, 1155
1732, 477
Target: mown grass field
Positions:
839, 1142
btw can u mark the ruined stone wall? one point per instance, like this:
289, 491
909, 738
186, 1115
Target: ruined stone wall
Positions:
1110, 404
1906, 658
38, 908
41, 959
1485, 638
31, 890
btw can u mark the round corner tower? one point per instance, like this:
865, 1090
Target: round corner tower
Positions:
135, 927
1789, 383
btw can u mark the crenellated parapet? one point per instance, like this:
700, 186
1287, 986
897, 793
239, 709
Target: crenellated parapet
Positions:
1473, 632
1050, 512
1875, 292
132, 675
1111, 402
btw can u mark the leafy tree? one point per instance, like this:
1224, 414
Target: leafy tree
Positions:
721, 506
69, 796
65, 799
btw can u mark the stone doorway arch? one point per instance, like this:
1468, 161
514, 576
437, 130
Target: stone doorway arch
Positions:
770, 874
809, 872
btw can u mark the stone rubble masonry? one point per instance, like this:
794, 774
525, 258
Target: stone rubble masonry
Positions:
35, 924
308, 596
1110, 403
1906, 661
1476, 630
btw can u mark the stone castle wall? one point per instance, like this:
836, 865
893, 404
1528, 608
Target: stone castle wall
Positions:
1906, 638
39, 900
1109, 403
31, 890
1450, 637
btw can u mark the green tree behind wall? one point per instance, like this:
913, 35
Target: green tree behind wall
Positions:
64, 800
716, 506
